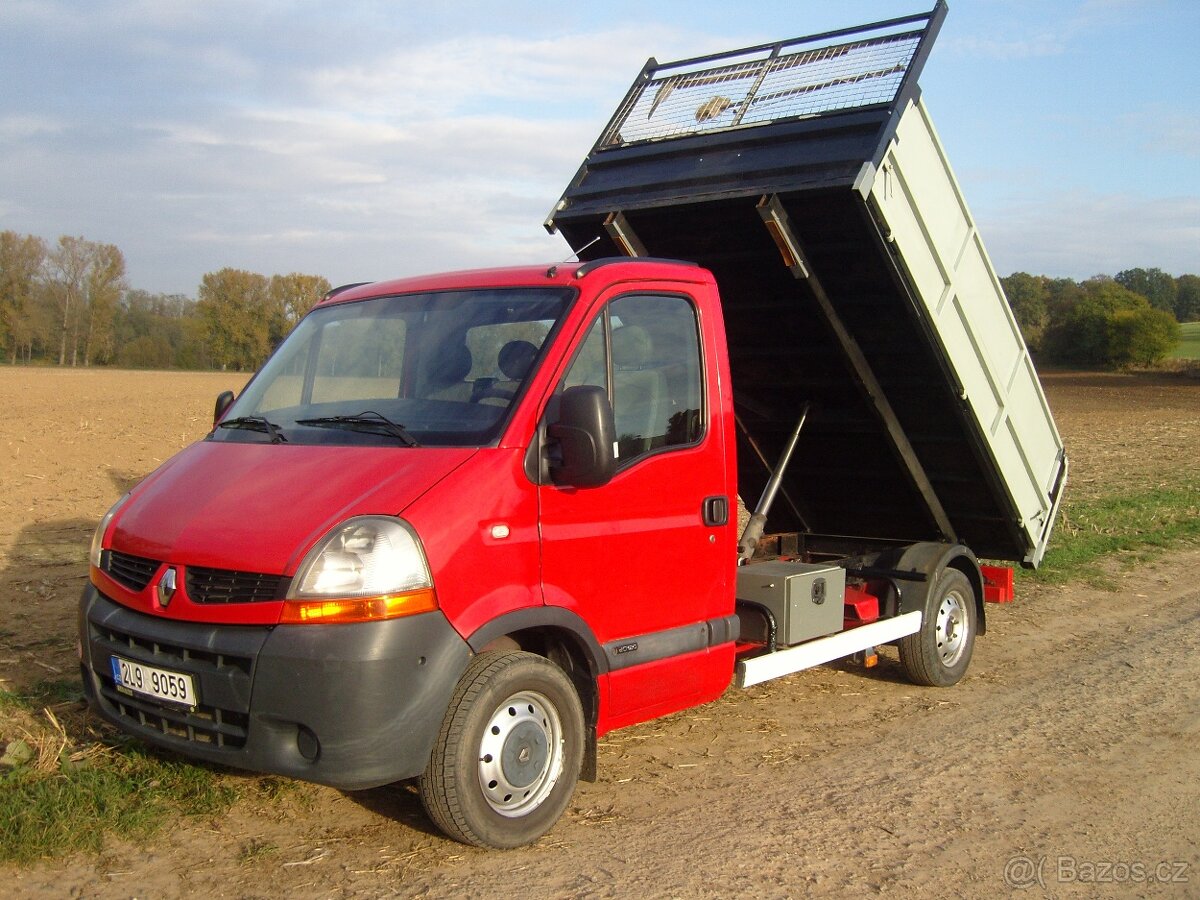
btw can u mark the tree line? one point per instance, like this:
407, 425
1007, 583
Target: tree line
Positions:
69, 304
1130, 319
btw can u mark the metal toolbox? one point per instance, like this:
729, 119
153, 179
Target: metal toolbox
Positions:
805, 599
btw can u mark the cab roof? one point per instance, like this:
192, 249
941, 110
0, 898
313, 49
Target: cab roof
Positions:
547, 274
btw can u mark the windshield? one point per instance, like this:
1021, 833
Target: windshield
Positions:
437, 369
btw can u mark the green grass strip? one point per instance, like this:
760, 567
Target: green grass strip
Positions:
1189, 344
1147, 523
44, 693
130, 793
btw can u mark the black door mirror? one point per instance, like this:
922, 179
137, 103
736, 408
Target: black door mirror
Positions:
224, 401
585, 433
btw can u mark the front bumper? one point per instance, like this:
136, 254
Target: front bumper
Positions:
352, 706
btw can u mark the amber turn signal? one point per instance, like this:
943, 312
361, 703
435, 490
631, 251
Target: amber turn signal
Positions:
358, 609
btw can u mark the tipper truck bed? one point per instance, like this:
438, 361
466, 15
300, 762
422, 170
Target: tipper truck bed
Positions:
461, 526
807, 176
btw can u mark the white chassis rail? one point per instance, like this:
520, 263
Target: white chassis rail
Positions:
823, 650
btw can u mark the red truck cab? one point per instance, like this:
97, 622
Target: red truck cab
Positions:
426, 477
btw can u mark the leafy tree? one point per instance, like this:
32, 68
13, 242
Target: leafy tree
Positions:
66, 271
1141, 337
21, 260
1154, 284
1112, 326
1061, 295
84, 280
147, 351
104, 284
1029, 299
291, 296
159, 331
194, 351
235, 308
1187, 298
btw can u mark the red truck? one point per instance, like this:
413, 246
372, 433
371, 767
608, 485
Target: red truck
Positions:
460, 526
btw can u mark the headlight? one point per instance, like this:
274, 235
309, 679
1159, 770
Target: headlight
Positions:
371, 567
98, 537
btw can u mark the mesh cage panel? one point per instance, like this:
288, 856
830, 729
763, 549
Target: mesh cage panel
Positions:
774, 84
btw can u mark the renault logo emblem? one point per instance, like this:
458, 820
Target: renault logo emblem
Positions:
166, 588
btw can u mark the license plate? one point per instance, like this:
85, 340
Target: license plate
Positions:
170, 687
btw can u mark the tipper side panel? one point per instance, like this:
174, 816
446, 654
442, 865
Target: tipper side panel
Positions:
943, 258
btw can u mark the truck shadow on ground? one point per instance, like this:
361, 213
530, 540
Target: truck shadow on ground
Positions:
45, 570
399, 802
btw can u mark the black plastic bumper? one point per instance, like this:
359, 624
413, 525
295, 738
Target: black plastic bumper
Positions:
351, 706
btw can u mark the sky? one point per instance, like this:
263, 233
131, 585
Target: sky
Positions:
368, 140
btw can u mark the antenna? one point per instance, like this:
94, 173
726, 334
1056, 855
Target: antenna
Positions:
594, 240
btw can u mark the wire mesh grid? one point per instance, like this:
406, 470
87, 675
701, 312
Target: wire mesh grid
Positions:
776, 86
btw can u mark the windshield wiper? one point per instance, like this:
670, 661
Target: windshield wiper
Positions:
368, 420
256, 423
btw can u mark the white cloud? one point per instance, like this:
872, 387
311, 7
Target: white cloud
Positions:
1080, 234
1161, 130
22, 127
994, 47
478, 72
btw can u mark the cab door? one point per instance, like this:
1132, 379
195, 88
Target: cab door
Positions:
647, 560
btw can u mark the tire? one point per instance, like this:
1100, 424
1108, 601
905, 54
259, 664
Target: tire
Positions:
507, 757
939, 653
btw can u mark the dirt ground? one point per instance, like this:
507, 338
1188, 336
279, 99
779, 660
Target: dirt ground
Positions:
1067, 760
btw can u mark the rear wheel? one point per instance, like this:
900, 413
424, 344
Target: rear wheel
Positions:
507, 757
940, 652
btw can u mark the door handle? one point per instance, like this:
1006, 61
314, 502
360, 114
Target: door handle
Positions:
715, 511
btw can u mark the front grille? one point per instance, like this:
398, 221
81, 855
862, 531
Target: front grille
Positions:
226, 586
133, 572
203, 725
224, 725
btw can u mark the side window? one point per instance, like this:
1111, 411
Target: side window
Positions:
653, 371
591, 365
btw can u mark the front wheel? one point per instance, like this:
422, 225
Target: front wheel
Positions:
507, 757
938, 654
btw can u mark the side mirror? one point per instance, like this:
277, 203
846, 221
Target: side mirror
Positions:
224, 401
585, 433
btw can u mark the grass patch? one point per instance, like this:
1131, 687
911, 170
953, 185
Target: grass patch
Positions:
1142, 524
71, 787
130, 792
1189, 345
255, 851
44, 693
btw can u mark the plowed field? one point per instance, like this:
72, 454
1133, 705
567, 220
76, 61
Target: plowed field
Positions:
1066, 760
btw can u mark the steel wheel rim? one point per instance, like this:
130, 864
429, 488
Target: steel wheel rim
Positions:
520, 754
950, 628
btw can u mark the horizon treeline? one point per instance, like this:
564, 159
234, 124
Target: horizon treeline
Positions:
1128, 319
70, 304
